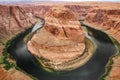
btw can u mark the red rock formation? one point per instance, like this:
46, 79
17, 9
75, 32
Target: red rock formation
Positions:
60, 40
81, 11
62, 22
105, 20
16, 18
12, 74
23, 15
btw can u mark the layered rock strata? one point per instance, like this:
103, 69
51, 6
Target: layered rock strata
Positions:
17, 17
13, 16
107, 20
60, 44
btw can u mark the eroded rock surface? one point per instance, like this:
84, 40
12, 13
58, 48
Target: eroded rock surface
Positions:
63, 24
12, 74
61, 40
107, 20
115, 71
16, 18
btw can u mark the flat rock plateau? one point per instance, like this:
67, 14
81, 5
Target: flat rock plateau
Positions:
15, 18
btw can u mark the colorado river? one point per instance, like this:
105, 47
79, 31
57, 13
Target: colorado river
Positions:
92, 70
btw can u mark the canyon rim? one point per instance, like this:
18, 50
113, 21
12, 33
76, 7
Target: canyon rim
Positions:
61, 27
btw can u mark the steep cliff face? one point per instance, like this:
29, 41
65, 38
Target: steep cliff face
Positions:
81, 11
14, 19
107, 20
63, 23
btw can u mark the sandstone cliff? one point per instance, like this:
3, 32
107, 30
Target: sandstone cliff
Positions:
16, 18
107, 20
60, 40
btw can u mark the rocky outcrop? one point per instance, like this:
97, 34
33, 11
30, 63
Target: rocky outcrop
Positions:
81, 11
60, 42
17, 17
115, 71
12, 74
14, 19
105, 20
63, 24
24, 15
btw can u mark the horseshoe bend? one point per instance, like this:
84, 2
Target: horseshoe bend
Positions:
61, 41
57, 41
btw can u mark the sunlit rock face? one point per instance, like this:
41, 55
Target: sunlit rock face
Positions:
14, 19
5, 75
12, 74
60, 41
107, 20
115, 71
24, 15
62, 23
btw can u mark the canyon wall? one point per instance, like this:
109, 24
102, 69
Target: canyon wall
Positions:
102, 16
16, 18
107, 20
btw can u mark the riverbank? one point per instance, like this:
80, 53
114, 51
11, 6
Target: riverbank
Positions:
9, 64
113, 60
27, 62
